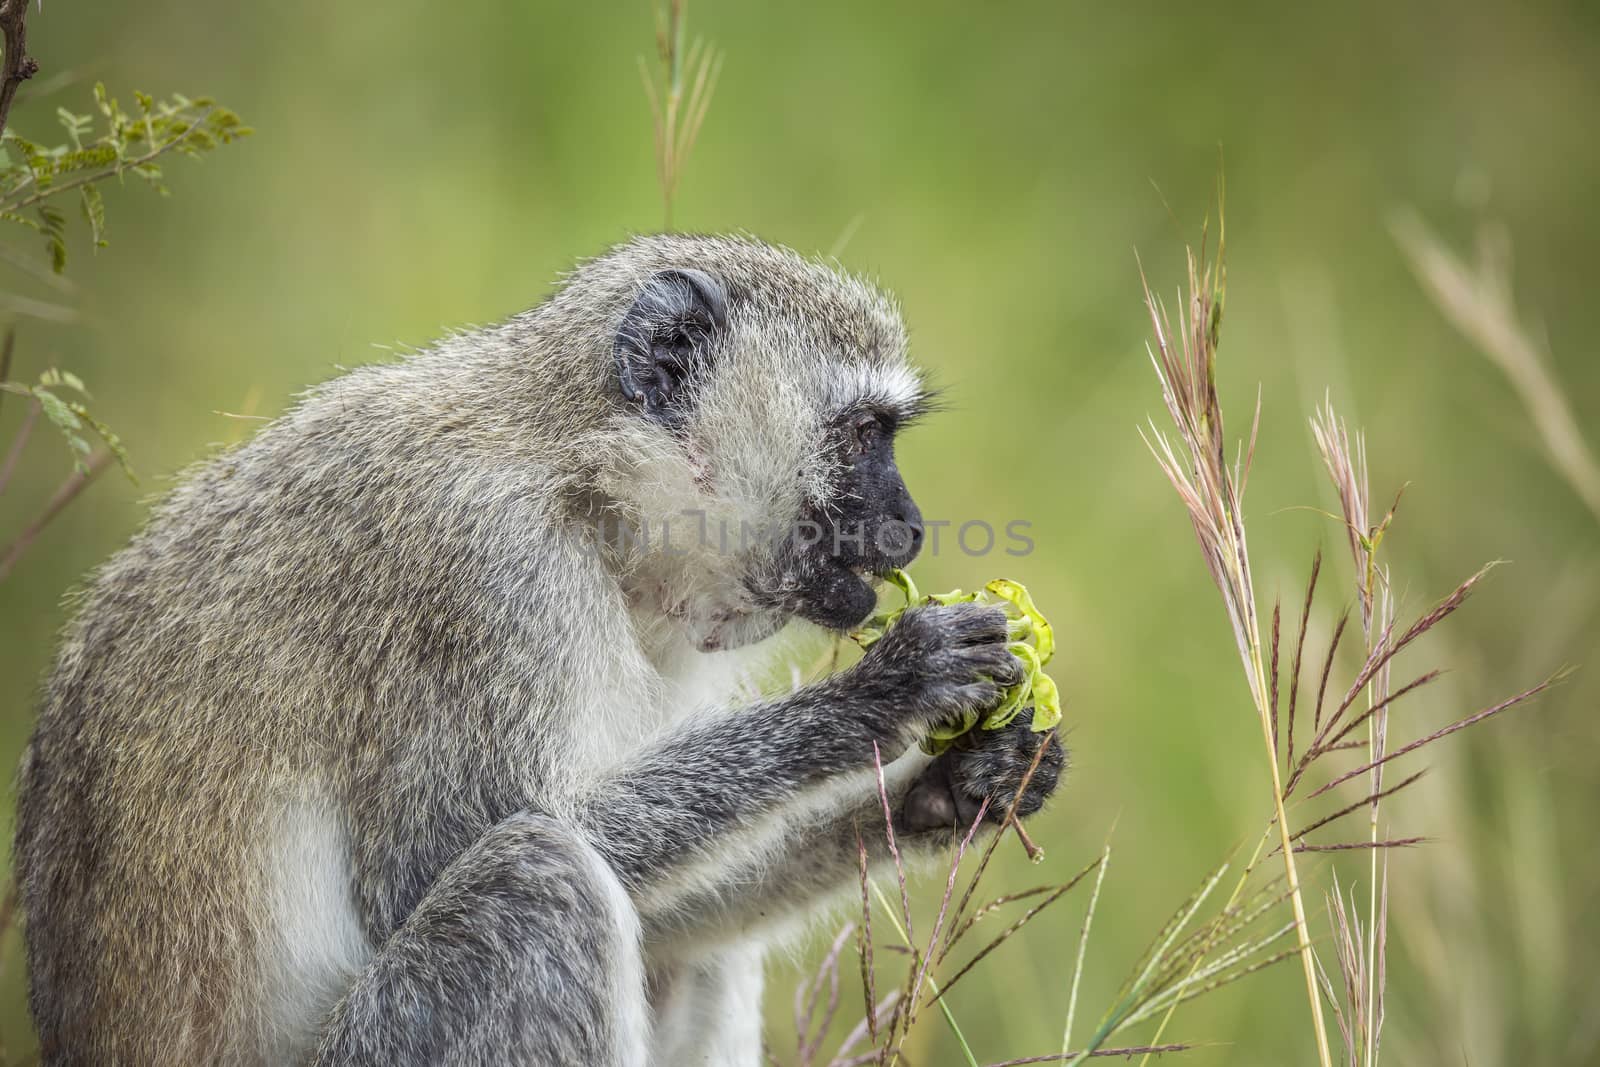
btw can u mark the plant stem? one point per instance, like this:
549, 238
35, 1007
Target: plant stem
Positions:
1291, 874
14, 453
75, 484
1241, 567
1377, 732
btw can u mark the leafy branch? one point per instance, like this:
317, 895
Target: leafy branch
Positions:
57, 396
106, 144
118, 143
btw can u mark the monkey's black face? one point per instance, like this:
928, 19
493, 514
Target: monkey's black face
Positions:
868, 525
666, 350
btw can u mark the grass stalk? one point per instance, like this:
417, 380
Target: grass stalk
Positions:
1083, 946
1212, 492
949, 1016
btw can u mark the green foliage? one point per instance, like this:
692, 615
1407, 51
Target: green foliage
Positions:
106, 144
99, 146
60, 395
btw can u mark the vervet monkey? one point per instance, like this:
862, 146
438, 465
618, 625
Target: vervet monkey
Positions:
409, 731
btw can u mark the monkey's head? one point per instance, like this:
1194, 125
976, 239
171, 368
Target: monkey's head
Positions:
760, 394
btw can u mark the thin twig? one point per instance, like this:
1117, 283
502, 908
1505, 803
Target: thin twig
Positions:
7, 350
76, 483
20, 441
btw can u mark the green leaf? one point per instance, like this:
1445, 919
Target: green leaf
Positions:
112, 442
94, 212
54, 376
57, 411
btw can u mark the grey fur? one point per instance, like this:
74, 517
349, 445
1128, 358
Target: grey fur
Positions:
374, 747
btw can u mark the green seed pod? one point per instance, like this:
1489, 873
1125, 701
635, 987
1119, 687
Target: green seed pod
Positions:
1031, 640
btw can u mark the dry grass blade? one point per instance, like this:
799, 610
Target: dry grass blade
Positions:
1362, 846
867, 1026
1272, 674
992, 906
994, 841
1327, 668
894, 848
1055, 894
1358, 805
864, 947
808, 1030
1300, 647
939, 921
1130, 1051
1479, 304
1460, 724
1352, 967
1347, 470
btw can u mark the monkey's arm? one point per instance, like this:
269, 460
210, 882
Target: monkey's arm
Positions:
932, 803
720, 788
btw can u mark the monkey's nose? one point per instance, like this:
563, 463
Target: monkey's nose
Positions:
914, 528
908, 525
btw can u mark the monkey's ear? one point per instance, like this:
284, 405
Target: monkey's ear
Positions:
666, 339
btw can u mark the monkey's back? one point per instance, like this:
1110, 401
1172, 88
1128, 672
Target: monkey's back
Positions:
148, 744
282, 600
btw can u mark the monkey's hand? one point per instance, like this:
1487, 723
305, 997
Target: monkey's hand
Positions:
936, 663
949, 794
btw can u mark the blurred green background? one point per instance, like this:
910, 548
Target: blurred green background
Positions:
420, 166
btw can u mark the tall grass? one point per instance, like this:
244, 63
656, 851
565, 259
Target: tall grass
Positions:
1212, 491
1478, 301
1193, 953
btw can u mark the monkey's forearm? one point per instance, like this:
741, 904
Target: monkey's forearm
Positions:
680, 803
787, 866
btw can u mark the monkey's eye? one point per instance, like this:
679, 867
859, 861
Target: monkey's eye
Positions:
865, 432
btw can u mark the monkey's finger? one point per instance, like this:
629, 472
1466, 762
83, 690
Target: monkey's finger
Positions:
974, 624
